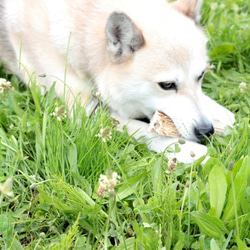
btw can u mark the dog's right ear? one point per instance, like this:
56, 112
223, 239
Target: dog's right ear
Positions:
190, 8
124, 38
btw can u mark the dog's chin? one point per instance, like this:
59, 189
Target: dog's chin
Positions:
188, 134
192, 137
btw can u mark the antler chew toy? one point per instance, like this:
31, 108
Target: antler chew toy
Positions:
163, 125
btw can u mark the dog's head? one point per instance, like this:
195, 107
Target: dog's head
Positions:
157, 62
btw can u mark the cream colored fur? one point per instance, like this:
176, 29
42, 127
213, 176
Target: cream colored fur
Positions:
122, 48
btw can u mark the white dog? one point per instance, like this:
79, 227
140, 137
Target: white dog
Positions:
141, 55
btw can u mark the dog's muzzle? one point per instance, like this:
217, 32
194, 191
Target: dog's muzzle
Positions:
203, 131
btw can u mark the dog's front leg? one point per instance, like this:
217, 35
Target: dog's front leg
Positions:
190, 151
218, 112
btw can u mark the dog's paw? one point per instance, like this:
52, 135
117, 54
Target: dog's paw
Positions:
218, 112
226, 117
189, 151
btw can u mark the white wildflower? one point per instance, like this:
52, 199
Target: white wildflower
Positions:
101, 191
60, 113
32, 177
6, 188
5, 85
42, 235
167, 172
243, 87
172, 163
98, 94
211, 67
105, 133
108, 182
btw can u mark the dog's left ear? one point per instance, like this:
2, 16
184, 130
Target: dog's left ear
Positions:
124, 38
190, 8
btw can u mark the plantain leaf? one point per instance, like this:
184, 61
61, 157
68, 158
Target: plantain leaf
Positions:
240, 182
217, 189
241, 245
157, 177
130, 186
221, 51
213, 245
180, 243
209, 225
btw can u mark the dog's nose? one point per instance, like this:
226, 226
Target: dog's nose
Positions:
203, 130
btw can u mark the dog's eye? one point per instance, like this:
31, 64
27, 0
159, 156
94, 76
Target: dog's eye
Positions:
201, 76
167, 85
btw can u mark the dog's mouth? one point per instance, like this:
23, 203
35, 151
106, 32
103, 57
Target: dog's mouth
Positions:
143, 119
162, 124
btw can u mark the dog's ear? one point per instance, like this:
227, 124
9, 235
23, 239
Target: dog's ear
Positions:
190, 8
124, 38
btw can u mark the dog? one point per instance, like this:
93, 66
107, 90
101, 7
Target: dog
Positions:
141, 55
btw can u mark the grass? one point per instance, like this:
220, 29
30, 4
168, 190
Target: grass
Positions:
55, 166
